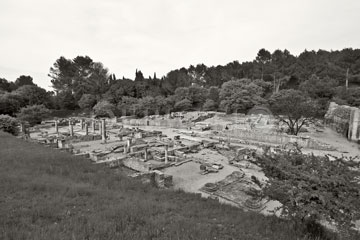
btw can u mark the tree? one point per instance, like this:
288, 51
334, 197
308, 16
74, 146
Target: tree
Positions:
87, 101
24, 80
263, 57
9, 124
104, 109
209, 105
33, 114
313, 188
183, 105
241, 95
293, 108
10, 103
213, 94
33, 95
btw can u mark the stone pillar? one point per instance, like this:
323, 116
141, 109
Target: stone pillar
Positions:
93, 125
71, 129
56, 127
100, 131
103, 130
82, 124
354, 125
128, 142
86, 129
125, 149
166, 153
22, 128
146, 154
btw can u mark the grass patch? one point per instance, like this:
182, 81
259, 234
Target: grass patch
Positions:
47, 194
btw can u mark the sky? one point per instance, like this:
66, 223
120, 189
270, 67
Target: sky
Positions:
163, 35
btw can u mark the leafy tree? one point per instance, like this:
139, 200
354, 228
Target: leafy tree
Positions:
10, 103
33, 95
9, 124
87, 101
241, 95
62, 74
24, 80
6, 86
213, 94
65, 100
313, 187
104, 109
33, 114
183, 105
294, 109
263, 57
209, 105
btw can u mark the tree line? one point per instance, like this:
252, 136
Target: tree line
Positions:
82, 83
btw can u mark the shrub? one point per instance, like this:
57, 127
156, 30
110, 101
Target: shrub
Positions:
9, 124
87, 101
209, 105
104, 109
33, 114
183, 105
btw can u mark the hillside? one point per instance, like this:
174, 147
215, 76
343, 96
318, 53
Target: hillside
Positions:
48, 194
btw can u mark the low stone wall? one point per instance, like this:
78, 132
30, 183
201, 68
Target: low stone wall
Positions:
345, 120
172, 123
137, 165
275, 138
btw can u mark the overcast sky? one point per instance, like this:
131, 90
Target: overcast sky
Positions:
161, 35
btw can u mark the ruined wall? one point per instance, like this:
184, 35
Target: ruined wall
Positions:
137, 164
275, 138
172, 123
345, 120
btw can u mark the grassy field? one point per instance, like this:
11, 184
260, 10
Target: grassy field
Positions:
48, 194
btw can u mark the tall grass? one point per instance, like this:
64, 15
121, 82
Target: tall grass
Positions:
47, 194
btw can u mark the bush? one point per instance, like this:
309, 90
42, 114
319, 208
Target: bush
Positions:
183, 105
104, 109
87, 101
209, 105
33, 114
9, 124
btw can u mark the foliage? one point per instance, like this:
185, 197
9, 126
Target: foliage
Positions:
240, 95
24, 80
314, 187
183, 105
209, 105
87, 101
293, 108
104, 109
10, 103
9, 124
33, 114
33, 95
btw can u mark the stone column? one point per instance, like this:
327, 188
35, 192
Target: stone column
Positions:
128, 142
71, 129
166, 153
103, 130
354, 124
93, 125
86, 129
146, 154
82, 124
56, 127
125, 149
22, 128
100, 130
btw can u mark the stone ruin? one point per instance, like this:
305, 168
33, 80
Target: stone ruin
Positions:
345, 120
